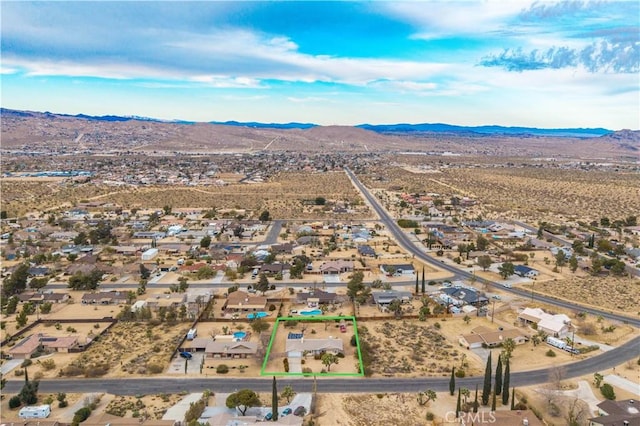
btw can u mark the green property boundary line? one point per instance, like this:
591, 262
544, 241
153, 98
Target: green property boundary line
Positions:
313, 319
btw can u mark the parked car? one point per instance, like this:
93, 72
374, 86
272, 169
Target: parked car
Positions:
269, 416
186, 355
286, 411
300, 411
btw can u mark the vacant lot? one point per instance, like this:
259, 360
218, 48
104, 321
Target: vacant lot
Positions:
531, 193
618, 294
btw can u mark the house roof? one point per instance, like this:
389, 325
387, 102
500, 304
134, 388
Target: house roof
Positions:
492, 337
321, 295
315, 345
26, 346
245, 300
547, 321
624, 407
388, 296
234, 348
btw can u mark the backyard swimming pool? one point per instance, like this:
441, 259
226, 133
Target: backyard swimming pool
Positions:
308, 312
239, 334
257, 315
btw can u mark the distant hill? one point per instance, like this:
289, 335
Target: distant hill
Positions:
257, 125
483, 130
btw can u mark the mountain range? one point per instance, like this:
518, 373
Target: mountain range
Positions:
398, 129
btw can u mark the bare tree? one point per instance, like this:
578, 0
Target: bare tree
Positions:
556, 375
577, 412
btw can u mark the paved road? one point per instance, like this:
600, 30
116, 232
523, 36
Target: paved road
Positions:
408, 245
134, 386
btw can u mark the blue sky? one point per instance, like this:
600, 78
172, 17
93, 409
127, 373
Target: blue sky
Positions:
513, 63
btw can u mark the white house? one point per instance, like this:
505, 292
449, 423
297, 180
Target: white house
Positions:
558, 325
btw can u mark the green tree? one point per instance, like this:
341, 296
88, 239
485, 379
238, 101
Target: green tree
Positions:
423, 282
498, 378
508, 346
259, 325
484, 261
597, 379
482, 243
82, 281
513, 398
265, 216
356, 290
12, 305
21, 318
242, 400
17, 281
426, 396
328, 359
486, 387
274, 400
288, 393
618, 268
320, 201
607, 391
573, 263
452, 381
205, 242
604, 221
561, 258
458, 404
506, 270
505, 383
493, 402
263, 283
45, 308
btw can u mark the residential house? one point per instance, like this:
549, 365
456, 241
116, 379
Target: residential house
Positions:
461, 296
486, 337
614, 413
397, 270
558, 325
274, 268
43, 297
366, 250
316, 297
233, 350
336, 267
525, 271
240, 301
111, 297
384, 298
286, 248
314, 346
25, 348
173, 300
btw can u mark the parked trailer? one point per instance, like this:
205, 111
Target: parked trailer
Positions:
557, 343
192, 334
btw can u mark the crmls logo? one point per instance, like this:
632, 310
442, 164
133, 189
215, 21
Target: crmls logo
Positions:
482, 418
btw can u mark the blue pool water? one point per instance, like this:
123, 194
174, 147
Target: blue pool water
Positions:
240, 334
311, 312
257, 315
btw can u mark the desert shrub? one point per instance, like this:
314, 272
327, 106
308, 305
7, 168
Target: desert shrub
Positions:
71, 329
307, 370
71, 370
550, 353
437, 325
154, 368
96, 370
354, 341
27, 362
19, 373
272, 307
588, 329
607, 391
430, 416
14, 402
285, 363
48, 364
222, 369
63, 404
340, 355
39, 375
588, 349
460, 373
81, 415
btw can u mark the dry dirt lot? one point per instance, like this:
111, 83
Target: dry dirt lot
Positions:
613, 293
525, 192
